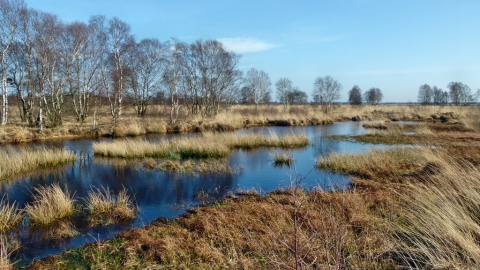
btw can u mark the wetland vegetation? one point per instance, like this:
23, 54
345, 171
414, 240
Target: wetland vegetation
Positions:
383, 221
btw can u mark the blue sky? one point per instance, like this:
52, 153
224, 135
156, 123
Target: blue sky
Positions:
395, 45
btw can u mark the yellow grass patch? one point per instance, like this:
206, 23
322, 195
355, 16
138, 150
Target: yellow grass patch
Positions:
26, 160
208, 145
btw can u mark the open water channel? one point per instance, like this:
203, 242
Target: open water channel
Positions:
166, 194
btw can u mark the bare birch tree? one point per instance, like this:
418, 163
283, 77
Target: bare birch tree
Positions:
148, 64
284, 89
119, 43
326, 90
172, 76
257, 86
9, 15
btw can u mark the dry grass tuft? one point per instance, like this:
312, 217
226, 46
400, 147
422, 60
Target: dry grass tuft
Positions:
131, 149
106, 208
10, 216
50, 204
6, 251
282, 159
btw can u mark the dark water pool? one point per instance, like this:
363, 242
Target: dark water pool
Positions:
163, 194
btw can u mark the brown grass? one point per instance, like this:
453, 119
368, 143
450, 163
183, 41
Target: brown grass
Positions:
282, 159
253, 233
193, 166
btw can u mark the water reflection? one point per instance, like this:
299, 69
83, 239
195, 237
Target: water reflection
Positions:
163, 194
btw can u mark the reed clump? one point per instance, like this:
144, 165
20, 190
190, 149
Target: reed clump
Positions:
106, 208
282, 159
10, 216
199, 147
26, 160
378, 125
6, 251
50, 204
131, 149
208, 145
192, 166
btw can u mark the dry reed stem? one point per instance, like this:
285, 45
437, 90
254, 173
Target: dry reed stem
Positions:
10, 216
5, 253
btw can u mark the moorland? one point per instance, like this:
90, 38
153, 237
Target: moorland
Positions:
407, 207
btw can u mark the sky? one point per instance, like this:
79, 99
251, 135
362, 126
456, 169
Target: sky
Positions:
395, 45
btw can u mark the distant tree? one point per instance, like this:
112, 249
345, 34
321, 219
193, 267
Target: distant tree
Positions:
284, 89
439, 97
355, 96
425, 94
326, 90
257, 87
297, 96
460, 93
373, 96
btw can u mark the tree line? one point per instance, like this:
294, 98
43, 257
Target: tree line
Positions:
458, 94
45, 63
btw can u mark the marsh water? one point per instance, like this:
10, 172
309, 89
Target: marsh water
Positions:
167, 194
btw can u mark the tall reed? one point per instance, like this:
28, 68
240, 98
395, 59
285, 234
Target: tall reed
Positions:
440, 225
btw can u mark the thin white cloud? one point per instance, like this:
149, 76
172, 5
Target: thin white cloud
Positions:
246, 45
